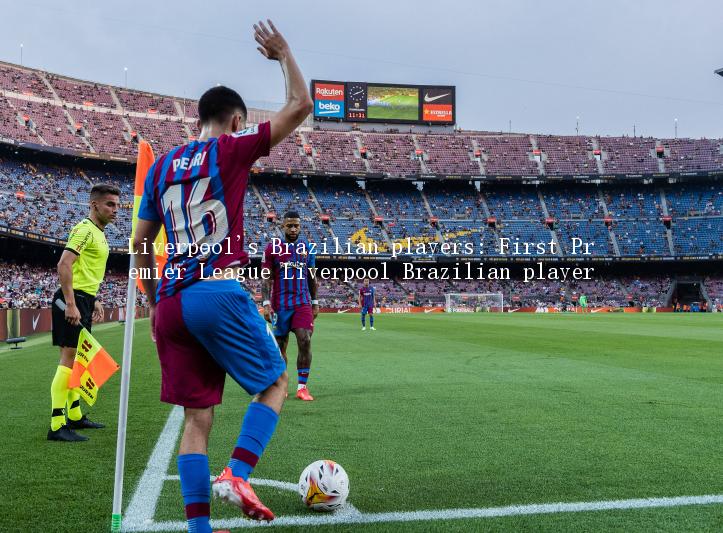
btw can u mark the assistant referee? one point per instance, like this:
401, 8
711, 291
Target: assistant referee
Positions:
81, 270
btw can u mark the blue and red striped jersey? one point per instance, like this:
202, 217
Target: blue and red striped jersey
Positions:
367, 294
290, 271
197, 190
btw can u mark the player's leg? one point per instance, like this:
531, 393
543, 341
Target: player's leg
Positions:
190, 378
302, 324
303, 363
364, 318
193, 468
371, 319
283, 343
281, 328
243, 345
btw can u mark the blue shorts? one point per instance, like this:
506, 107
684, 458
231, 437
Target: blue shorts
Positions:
208, 330
367, 310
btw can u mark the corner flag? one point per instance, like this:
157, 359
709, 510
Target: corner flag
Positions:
92, 367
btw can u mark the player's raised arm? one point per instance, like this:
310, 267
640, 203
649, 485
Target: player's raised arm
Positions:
273, 46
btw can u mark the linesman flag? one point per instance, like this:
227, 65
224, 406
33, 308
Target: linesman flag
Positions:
92, 367
143, 165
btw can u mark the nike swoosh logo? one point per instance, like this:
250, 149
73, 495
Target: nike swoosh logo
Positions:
428, 98
340, 311
35, 321
428, 311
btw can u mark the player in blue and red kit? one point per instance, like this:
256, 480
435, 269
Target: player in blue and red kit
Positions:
367, 302
204, 323
290, 295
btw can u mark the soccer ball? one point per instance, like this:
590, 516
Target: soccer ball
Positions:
324, 486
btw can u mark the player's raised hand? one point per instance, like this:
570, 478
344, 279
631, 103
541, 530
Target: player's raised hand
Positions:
272, 43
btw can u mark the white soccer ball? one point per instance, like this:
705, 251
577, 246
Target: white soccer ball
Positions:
324, 486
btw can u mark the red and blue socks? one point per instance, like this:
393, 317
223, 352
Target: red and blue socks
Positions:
364, 320
303, 377
256, 431
196, 490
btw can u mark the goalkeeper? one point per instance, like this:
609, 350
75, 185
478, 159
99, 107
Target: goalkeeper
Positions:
81, 270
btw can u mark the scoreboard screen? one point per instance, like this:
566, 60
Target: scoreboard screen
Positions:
354, 101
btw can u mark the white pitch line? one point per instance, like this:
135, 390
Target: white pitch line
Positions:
142, 508
448, 514
283, 485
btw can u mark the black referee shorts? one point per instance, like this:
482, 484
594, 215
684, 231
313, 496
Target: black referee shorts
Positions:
64, 333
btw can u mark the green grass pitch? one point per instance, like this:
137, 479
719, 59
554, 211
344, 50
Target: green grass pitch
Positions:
429, 412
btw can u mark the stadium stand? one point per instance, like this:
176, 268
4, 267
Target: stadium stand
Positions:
507, 155
567, 155
391, 154
628, 155
23, 81
336, 151
146, 103
106, 132
49, 122
449, 154
679, 217
79, 92
31, 286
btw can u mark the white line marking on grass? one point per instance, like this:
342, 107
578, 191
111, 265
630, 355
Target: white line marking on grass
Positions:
355, 517
143, 505
140, 512
283, 485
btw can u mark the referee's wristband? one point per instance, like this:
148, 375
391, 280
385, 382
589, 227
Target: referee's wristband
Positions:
314, 302
266, 302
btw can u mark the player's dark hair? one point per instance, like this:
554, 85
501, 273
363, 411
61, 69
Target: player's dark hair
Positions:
218, 104
291, 214
101, 189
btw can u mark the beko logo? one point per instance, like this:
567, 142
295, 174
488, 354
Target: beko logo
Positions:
328, 108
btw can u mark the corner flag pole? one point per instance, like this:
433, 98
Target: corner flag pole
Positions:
120, 449
143, 164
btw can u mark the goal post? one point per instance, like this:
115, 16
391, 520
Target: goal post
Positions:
472, 302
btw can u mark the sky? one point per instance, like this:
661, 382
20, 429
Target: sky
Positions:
528, 65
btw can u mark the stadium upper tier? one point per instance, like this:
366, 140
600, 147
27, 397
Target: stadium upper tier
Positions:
41, 201
46, 109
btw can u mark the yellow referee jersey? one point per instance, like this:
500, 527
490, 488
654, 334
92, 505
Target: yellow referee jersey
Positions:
88, 242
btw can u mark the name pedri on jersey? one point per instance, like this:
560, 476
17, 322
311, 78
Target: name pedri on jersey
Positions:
197, 191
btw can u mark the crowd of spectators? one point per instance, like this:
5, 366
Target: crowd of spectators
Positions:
28, 286
48, 199
24, 285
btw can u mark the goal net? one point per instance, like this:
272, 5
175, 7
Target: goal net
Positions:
470, 302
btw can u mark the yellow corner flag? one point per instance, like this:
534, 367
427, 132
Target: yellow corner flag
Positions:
92, 367
143, 165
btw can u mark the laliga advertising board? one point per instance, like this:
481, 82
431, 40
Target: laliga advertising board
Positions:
383, 102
